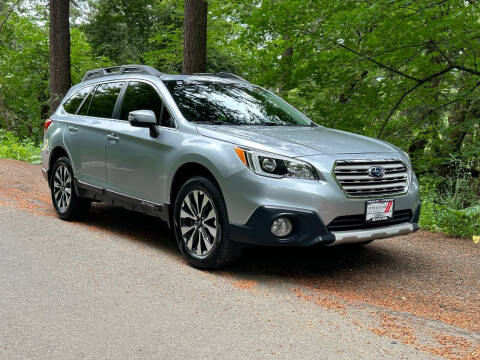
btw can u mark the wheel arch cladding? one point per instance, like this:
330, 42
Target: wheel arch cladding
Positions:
187, 171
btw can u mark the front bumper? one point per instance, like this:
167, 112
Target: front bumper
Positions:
320, 202
356, 236
244, 192
309, 230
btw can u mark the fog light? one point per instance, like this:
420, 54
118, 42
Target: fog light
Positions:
281, 227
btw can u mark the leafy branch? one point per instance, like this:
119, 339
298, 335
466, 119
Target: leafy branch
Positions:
376, 62
406, 93
9, 12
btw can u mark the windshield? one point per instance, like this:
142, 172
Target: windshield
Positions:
227, 103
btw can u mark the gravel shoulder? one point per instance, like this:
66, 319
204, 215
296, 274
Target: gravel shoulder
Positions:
115, 286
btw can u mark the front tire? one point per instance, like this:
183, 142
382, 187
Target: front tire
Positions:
201, 225
67, 204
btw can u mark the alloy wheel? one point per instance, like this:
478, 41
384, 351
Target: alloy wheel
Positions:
198, 223
62, 188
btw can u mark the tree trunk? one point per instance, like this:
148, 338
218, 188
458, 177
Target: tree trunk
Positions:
3, 113
286, 68
60, 76
195, 40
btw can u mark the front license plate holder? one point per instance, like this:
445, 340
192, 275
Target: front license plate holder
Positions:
379, 210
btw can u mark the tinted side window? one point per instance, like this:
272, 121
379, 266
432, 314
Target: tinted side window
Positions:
167, 119
141, 96
86, 104
72, 104
104, 100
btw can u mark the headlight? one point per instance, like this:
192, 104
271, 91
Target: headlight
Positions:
276, 166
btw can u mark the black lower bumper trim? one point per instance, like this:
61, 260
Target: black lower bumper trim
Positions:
357, 222
308, 229
130, 203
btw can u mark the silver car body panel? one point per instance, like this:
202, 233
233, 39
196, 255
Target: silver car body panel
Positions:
84, 137
141, 167
298, 141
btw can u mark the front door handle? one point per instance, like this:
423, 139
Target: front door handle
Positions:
113, 138
72, 129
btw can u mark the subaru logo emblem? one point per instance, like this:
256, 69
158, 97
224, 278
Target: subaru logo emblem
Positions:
376, 171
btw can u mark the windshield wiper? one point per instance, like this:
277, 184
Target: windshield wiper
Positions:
261, 124
212, 122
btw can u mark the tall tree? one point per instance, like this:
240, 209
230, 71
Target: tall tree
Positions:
60, 75
195, 40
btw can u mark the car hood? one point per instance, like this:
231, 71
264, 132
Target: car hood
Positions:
296, 141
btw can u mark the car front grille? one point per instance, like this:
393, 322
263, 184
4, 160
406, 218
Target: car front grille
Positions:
357, 222
354, 178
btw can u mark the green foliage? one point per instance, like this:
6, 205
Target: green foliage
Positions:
151, 32
135, 31
470, 212
24, 73
82, 56
23, 76
450, 205
166, 43
11, 147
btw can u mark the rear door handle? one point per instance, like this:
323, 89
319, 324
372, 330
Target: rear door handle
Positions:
113, 138
72, 130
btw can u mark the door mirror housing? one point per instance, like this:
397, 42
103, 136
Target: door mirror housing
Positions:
144, 119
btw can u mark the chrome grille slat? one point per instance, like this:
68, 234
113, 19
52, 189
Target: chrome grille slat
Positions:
366, 167
376, 185
353, 177
368, 177
400, 170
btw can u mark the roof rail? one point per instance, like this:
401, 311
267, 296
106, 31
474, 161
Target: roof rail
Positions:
121, 70
224, 75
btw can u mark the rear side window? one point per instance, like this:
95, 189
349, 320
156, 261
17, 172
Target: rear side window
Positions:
103, 102
72, 104
141, 96
86, 104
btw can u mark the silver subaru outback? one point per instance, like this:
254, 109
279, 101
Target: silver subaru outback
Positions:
224, 162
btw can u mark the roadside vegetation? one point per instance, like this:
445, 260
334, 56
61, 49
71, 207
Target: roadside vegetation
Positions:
405, 72
11, 147
451, 205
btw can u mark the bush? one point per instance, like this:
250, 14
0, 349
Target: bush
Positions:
451, 205
11, 147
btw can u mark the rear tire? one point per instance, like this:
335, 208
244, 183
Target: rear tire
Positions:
201, 225
67, 204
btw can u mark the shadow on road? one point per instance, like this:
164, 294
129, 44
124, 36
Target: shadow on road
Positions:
323, 261
135, 226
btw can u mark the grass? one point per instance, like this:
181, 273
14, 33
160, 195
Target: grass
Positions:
11, 147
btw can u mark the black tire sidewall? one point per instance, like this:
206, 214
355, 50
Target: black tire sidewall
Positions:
219, 254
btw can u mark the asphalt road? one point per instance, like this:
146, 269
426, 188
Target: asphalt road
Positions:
115, 287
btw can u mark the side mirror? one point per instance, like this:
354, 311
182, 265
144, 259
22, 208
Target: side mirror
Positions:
144, 119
